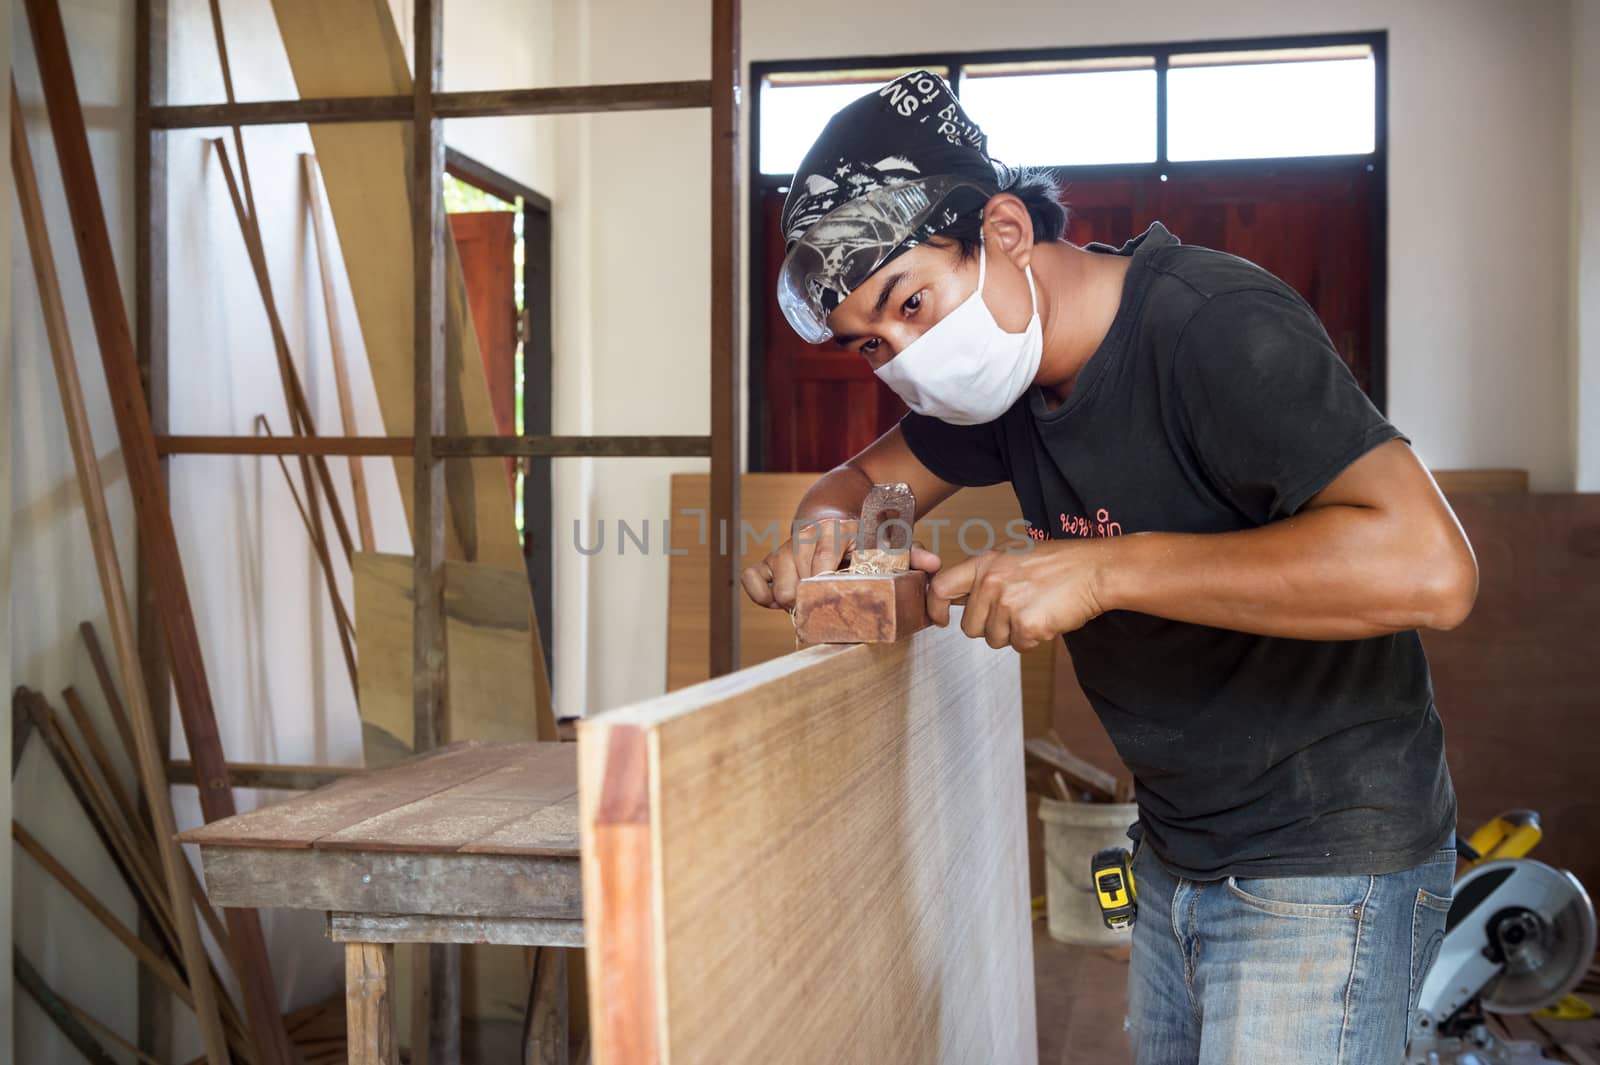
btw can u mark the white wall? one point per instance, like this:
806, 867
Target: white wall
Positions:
1586, 240
632, 262
1480, 360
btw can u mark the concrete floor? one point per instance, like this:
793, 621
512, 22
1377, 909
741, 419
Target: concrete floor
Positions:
1081, 995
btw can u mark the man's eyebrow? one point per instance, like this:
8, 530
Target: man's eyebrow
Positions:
888, 290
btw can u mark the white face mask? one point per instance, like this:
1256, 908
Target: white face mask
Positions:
966, 369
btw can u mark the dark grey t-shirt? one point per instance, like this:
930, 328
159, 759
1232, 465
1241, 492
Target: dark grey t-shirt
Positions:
1218, 403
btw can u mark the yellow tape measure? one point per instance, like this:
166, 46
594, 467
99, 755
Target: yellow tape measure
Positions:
1114, 888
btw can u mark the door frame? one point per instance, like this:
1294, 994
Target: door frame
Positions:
537, 374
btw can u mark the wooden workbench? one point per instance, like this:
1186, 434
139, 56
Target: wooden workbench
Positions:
472, 843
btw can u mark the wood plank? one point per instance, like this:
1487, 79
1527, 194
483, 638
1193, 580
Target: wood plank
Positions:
621, 923
450, 819
452, 885
556, 100
157, 539
158, 966
301, 821
1085, 776
351, 48
341, 369
722, 580
544, 1037
431, 928
841, 830
369, 1003
552, 831
535, 445
150, 317
285, 777
57, 1009
46, 21
1464, 482
489, 635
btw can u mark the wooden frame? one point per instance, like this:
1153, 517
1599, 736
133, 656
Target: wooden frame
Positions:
425, 108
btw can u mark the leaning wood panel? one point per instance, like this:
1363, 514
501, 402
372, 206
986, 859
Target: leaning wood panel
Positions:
493, 673
820, 858
351, 48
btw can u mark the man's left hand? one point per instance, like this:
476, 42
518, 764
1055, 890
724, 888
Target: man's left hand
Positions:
1023, 598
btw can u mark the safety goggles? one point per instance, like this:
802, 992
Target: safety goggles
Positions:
843, 247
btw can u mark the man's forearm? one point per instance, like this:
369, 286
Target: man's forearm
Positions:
838, 493
1332, 573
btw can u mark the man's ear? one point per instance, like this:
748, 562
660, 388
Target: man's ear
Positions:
1008, 229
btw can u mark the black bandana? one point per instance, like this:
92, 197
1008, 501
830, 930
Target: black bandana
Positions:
911, 129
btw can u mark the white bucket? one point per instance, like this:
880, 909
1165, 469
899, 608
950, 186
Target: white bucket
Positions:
1073, 832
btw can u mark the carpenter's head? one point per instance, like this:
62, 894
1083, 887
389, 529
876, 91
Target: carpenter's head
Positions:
895, 213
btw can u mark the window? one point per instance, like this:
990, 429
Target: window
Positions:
1314, 97
1065, 113
795, 107
1253, 105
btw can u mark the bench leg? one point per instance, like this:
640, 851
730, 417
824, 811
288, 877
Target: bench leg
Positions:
369, 1009
544, 1026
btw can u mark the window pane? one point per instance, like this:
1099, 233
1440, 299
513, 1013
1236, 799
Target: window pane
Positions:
791, 118
1101, 116
1267, 110
795, 106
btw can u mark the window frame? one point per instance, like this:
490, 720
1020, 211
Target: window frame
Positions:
1375, 163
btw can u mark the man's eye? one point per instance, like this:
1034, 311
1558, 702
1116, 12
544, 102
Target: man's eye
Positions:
911, 305
869, 347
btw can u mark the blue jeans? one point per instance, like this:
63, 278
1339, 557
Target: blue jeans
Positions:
1316, 970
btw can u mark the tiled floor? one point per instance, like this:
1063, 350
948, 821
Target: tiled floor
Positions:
1081, 995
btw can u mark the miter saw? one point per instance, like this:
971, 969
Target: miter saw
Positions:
1518, 938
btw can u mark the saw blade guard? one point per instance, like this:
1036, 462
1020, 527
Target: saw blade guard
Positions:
1535, 921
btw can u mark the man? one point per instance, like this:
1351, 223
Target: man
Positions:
1237, 547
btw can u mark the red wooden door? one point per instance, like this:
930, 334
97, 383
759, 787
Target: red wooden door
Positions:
1311, 227
486, 241
487, 244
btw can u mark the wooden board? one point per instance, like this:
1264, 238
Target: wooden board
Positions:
383, 809
351, 48
1517, 683
819, 858
768, 498
488, 632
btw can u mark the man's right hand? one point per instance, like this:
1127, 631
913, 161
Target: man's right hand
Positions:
818, 547
830, 508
